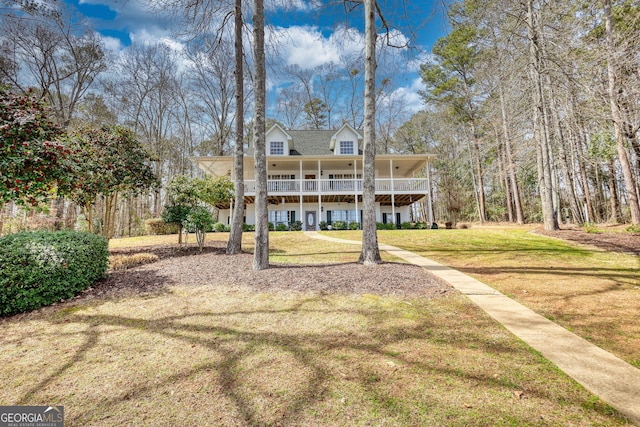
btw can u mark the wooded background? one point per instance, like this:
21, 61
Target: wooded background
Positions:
530, 106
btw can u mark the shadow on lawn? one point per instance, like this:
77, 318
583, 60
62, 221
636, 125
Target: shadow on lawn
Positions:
319, 354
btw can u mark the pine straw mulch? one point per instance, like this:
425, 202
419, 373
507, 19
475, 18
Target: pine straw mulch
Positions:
614, 242
185, 266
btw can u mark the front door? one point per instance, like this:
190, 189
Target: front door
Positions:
310, 220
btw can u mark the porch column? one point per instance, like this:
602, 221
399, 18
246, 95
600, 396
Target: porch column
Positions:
355, 191
393, 195
300, 180
318, 176
430, 214
230, 213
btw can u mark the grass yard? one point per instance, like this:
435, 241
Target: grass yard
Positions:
591, 292
227, 355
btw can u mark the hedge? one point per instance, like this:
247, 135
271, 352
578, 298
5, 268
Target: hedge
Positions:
158, 226
42, 267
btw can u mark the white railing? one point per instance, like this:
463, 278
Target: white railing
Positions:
340, 186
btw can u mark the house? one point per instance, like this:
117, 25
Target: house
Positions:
316, 175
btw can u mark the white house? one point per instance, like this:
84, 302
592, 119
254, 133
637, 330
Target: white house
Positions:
316, 175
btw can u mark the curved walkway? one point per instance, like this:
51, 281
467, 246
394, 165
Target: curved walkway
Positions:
613, 380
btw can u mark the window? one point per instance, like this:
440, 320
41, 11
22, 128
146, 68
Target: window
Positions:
347, 216
276, 148
281, 217
346, 147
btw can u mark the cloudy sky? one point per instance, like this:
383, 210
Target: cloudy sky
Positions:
308, 36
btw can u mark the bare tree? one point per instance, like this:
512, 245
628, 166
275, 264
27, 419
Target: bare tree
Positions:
370, 252
261, 251
234, 245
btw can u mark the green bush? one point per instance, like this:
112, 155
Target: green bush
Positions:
296, 226
379, 226
591, 228
219, 227
339, 225
323, 225
633, 229
43, 267
406, 225
271, 226
282, 227
157, 226
354, 226
420, 225
389, 226
248, 227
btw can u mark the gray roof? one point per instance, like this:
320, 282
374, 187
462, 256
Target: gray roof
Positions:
308, 143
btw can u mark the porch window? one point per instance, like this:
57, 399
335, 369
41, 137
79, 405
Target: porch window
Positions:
346, 147
347, 216
276, 148
281, 217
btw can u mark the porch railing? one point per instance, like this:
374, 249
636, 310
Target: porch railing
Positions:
339, 186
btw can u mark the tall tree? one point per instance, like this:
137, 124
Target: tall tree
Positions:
616, 115
261, 251
370, 251
234, 245
451, 81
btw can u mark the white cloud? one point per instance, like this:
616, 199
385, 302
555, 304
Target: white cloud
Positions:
410, 95
307, 47
112, 44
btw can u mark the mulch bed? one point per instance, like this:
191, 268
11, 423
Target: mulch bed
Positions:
614, 242
184, 266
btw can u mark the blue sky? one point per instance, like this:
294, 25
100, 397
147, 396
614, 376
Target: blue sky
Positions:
311, 36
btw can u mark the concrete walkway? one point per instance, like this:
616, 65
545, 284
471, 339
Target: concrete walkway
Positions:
611, 379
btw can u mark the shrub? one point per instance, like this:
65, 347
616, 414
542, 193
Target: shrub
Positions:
122, 262
420, 225
271, 226
389, 226
157, 226
339, 225
43, 267
199, 221
248, 227
464, 226
591, 228
282, 227
406, 225
379, 226
354, 225
219, 227
296, 226
633, 229
323, 225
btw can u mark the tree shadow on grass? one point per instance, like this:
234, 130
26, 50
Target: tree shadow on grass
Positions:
360, 358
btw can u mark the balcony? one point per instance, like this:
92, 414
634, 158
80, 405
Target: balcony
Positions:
339, 186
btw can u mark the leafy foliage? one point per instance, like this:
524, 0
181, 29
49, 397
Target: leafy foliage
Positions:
199, 220
105, 161
40, 268
31, 159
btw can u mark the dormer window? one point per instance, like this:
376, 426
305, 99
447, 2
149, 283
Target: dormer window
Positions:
276, 148
346, 147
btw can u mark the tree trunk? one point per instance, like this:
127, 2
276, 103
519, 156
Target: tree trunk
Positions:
616, 213
261, 251
632, 193
370, 254
540, 121
234, 245
510, 165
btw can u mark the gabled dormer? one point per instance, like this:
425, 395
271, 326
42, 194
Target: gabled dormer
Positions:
279, 142
346, 141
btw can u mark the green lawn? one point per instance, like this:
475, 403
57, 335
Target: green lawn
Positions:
591, 292
226, 355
